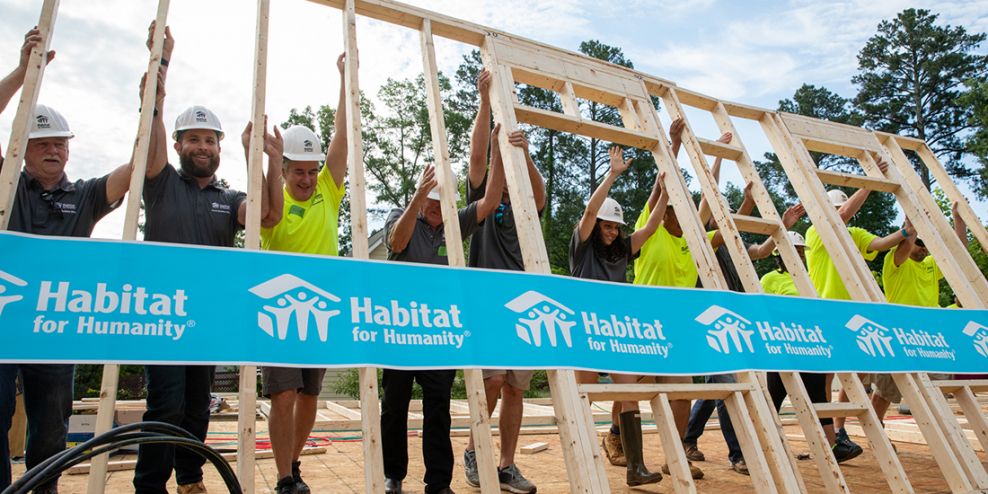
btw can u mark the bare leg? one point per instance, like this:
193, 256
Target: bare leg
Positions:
828, 430
509, 422
281, 425
492, 387
305, 418
626, 406
830, 387
681, 414
881, 406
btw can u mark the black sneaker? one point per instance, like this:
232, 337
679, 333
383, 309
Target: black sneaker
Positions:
846, 451
300, 486
842, 437
285, 486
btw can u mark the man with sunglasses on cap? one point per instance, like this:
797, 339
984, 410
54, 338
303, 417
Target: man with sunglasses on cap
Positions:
47, 203
189, 205
495, 246
310, 212
827, 281
416, 234
911, 277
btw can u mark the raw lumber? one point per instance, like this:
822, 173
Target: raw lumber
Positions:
531, 449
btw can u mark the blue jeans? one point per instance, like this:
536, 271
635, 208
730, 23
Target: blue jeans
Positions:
700, 414
48, 405
177, 395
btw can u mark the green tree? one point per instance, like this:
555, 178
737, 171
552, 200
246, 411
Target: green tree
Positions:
975, 100
910, 77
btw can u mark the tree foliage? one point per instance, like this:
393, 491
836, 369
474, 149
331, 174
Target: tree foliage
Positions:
911, 74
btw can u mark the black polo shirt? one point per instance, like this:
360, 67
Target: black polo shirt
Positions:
495, 245
68, 210
180, 212
428, 246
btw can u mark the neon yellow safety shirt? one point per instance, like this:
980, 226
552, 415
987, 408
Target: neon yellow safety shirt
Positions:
912, 283
779, 283
953, 306
665, 260
823, 273
309, 227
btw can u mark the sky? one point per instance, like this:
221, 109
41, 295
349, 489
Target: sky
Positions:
749, 52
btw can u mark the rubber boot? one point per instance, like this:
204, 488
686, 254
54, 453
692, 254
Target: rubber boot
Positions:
631, 436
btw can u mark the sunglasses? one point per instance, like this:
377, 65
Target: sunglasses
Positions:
499, 214
50, 199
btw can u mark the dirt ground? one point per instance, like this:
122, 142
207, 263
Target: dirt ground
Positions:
340, 468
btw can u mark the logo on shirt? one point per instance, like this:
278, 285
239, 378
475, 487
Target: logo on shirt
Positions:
220, 208
973, 329
538, 312
297, 210
727, 327
293, 296
871, 336
9, 279
43, 122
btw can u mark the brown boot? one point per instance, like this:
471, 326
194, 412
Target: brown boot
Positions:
614, 450
631, 437
196, 488
695, 472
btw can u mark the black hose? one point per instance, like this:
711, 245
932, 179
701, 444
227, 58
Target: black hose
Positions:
116, 439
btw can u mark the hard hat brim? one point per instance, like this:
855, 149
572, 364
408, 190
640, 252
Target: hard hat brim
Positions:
305, 157
219, 133
53, 133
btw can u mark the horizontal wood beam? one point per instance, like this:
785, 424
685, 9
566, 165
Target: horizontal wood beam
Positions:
645, 392
720, 150
565, 123
976, 385
821, 145
752, 224
820, 131
831, 410
857, 181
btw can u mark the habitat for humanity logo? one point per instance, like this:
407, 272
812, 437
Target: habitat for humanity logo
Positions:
294, 296
725, 324
871, 336
973, 329
542, 312
4, 300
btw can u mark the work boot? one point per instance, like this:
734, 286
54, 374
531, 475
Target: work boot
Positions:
300, 486
695, 471
741, 467
614, 450
284, 486
693, 453
631, 437
196, 488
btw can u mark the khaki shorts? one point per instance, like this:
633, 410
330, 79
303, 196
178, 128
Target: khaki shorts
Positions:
307, 381
520, 379
885, 387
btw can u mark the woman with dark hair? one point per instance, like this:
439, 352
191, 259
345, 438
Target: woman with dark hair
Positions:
599, 251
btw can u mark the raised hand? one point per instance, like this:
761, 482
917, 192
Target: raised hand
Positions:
169, 42
274, 145
341, 63
427, 182
676, 129
883, 165
792, 215
484, 84
618, 165
31, 39
726, 138
517, 138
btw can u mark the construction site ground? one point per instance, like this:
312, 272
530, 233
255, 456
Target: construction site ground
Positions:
340, 467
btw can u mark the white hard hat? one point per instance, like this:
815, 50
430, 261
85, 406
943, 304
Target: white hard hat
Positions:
796, 239
838, 197
611, 211
49, 123
302, 144
434, 194
197, 117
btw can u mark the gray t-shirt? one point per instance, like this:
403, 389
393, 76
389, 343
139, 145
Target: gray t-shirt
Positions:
727, 267
69, 210
495, 244
585, 263
180, 212
428, 246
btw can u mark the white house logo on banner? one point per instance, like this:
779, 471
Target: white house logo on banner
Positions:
539, 311
980, 335
726, 324
294, 296
6, 299
871, 336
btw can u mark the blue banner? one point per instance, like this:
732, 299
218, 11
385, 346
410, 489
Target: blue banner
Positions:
81, 300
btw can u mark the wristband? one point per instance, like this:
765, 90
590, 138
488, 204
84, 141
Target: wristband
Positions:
164, 61
153, 115
904, 233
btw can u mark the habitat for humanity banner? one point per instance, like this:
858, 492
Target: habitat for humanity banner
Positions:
72, 300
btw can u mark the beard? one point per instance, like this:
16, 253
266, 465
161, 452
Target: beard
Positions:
189, 166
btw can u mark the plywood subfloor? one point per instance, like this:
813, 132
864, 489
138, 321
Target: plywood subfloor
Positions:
340, 469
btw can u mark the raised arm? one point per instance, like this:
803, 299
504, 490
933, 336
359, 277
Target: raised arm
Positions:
906, 245
960, 228
272, 191
654, 219
118, 183
336, 155
891, 240
402, 231
748, 205
10, 84
495, 182
589, 219
479, 139
676, 135
517, 138
158, 140
704, 208
854, 203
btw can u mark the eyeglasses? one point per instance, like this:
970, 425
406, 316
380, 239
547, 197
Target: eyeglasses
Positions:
50, 199
499, 214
